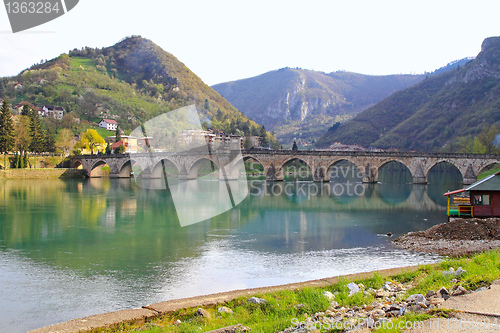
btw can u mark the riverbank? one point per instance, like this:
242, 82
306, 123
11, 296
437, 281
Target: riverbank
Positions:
365, 301
455, 238
15, 174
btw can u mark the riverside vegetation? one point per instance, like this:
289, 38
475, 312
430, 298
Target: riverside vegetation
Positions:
407, 297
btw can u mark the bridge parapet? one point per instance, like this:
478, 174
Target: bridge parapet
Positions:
320, 163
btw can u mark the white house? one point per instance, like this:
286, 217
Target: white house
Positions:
108, 124
55, 112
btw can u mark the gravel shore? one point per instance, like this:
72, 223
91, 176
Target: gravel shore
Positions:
456, 238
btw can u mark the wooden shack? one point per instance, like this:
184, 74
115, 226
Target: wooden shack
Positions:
481, 199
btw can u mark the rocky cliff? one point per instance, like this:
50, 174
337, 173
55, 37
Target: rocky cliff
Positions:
301, 104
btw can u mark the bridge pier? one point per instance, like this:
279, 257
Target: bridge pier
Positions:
319, 174
368, 176
272, 175
470, 176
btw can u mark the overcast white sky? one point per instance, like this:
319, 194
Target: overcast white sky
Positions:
224, 40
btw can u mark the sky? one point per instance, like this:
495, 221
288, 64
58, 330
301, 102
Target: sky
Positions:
226, 40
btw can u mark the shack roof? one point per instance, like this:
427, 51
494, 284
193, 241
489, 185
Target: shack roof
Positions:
490, 183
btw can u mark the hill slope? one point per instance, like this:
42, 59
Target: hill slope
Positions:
132, 81
433, 113
302, 103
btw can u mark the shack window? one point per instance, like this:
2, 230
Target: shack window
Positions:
482, 199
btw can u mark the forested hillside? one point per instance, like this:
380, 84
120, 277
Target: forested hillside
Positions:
434, 115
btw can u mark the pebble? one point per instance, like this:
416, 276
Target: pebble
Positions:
353, 288
422, 305
256, 300
417, 298
224, 309
329, 296
460, 291
383, 294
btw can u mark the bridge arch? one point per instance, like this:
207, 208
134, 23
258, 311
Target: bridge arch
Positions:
77, 164
97, 171
255, 168
395, 165
163, 165
443, 165
343, 168
194, 168
127, 166
297, 171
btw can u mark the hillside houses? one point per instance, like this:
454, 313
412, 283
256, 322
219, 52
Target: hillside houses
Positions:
109, 124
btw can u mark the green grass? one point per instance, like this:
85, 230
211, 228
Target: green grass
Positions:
282, 306
486, 173
86, 63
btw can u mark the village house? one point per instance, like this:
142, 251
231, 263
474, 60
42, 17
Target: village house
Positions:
255, 141
52, 111
132, 144
481, 199
108, 124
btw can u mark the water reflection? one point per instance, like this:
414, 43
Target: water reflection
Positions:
113, 241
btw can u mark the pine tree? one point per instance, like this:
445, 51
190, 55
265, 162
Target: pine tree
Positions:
118, 134
50, 144
25, 110
108, 149
7, 136
36, 132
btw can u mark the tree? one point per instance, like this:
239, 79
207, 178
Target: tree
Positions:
294, 147
483, 143
120, 149
65, 141
108, 149
50, 145
247, 144
118, 134
68, 120
263, 135
26, 110
91, 140
23, 138
36, 132
7, 136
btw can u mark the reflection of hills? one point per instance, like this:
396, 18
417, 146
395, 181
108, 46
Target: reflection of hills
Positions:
323, 197
103, 225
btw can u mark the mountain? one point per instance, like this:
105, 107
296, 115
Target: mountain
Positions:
301, 104
132, 81
433, 114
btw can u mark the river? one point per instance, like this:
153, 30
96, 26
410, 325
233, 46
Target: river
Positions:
75, 248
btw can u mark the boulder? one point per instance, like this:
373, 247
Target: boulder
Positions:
203, 313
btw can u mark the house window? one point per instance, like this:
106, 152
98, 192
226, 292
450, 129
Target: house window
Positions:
482, 199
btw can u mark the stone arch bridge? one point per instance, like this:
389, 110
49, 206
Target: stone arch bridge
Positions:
320, 163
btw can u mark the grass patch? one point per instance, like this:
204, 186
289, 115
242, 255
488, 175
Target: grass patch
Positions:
286, 305
489, 172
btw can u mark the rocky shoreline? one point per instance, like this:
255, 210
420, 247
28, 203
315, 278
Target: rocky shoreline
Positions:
389, 305
459, 237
